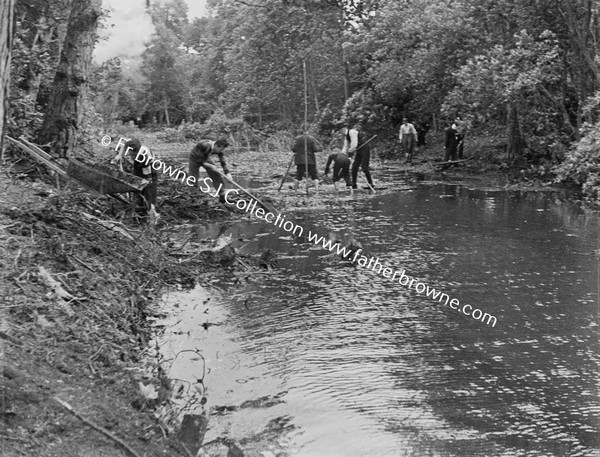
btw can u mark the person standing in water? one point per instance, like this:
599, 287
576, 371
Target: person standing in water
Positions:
341, 169
354, 143
304, 149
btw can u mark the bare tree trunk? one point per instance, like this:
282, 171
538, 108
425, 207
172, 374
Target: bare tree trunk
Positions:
286, 114
41, 44
516, 144
314, 89
582, 33
345, 75
64, 114
189, 112
260, 122
6, 32
560, 107
166, 108
346, 71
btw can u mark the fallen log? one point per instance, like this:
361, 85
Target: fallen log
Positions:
37, 154
130, 183
103, 179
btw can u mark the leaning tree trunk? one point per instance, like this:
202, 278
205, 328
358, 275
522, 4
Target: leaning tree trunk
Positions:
6, 29
64, 114
516, 142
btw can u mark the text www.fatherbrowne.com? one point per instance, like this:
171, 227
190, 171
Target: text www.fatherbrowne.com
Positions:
250, 206
403, 279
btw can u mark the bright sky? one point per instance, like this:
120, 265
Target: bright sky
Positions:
129, 27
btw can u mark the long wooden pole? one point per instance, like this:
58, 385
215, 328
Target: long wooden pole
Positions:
305, 124
368, 141
364, 144
286, 173
246, 191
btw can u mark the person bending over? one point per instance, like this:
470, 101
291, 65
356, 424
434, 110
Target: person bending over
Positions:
201, 155
341, 169
145, 200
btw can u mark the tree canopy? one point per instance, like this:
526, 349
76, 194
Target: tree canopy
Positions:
528, 67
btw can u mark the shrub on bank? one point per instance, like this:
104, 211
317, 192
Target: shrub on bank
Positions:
217, 126
582, 164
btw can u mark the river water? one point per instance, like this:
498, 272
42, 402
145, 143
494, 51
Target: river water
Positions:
355, 364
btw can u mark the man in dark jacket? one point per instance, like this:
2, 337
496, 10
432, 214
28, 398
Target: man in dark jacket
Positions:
341, 169
451, 144
201, 154
422, 129
304, 149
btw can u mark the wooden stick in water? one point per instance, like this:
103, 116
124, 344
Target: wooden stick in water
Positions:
226, 179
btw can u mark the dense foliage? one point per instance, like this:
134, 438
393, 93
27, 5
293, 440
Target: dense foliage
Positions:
582, 163
527, 67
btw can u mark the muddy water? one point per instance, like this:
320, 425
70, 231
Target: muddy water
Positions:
361, 366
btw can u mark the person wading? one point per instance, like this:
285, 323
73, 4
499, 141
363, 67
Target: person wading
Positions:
201, 154
354, 143
341, 169
304, 149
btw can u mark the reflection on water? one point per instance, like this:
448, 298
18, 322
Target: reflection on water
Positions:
370, 368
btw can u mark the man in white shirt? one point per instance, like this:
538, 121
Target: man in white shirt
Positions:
355, 143
408, 139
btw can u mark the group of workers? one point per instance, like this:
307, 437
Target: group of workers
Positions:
411, 137
304, 148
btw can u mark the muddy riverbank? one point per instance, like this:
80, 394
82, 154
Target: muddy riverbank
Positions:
80, 281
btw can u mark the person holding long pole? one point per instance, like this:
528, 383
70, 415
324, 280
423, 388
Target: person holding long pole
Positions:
355, 143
